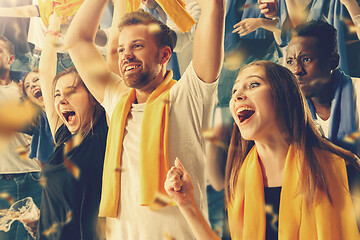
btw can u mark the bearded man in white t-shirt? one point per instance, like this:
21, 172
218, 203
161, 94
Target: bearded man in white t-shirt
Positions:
132, 194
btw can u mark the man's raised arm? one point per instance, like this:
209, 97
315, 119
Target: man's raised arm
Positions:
80, 40
208, 50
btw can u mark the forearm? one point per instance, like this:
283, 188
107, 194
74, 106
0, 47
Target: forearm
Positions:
352, 7
208, 46
197, 222
271, 25
112, 55
354, 11
47, 71
85, 23
22, 11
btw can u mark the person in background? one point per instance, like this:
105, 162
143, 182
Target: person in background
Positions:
42, 144
19, 178
332, 95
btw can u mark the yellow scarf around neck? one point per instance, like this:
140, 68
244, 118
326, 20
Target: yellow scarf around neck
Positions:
175, 9
297, 220
154, 158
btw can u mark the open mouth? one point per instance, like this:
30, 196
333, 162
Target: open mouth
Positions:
244, 113
37, 94
130, 68
69, 116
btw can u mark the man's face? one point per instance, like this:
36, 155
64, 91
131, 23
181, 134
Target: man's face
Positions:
139, 61
305, 61
5, 58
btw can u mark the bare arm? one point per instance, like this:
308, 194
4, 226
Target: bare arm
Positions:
249, 25
179, 187
112, 55
353, 8
208, 48
21, 11
297, 12
80, 40
47, 71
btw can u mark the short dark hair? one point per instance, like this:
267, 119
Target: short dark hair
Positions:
323, 31
9, 46
164, 36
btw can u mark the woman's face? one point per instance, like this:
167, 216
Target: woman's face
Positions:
72, 102
33, 89
252, 105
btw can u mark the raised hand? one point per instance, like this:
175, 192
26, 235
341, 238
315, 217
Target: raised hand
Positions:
247, 26
178, 184
268, 8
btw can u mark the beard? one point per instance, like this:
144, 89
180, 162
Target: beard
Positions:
142, 76
3, 70
137, 80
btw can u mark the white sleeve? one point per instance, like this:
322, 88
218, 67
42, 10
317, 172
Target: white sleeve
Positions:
183, 39
113, 92
192, 93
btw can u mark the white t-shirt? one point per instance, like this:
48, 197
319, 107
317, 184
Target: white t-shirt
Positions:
191, 106
10, 161
325, 124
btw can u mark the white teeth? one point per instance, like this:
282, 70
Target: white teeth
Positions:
239, 110
131, 67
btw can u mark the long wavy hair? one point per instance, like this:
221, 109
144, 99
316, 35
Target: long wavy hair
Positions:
299, 129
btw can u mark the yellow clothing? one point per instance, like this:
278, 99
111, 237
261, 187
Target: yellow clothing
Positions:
154, 159
175, 9
297, 220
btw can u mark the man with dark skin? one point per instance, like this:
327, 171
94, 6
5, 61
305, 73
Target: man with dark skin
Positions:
332, 96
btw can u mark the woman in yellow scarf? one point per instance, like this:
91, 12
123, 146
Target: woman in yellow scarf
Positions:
283, 180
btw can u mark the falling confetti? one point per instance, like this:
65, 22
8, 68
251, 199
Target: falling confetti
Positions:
161, 200
42, 181
15, 116
72, 143
23, 151
269, 210
54, 227
209, 135
7, 197
351, 138
51, 230
167, 236
72, 168
154, 28
233, 60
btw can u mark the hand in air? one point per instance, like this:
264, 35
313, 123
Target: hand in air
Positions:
178, 184
247, 26
269, 9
